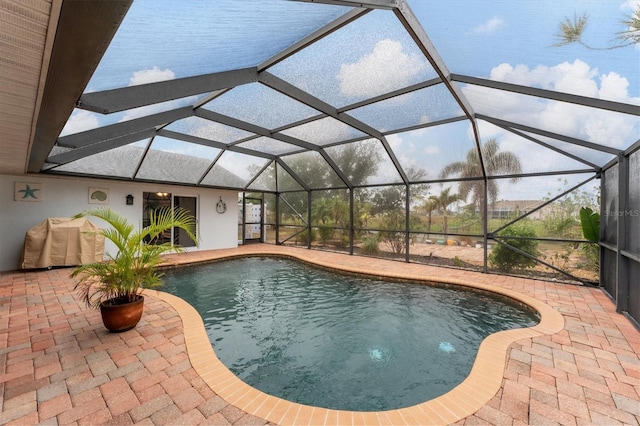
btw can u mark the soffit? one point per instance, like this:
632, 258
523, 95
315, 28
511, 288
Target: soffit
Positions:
23, 36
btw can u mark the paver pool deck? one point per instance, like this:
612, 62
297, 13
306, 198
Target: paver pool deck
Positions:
58, 365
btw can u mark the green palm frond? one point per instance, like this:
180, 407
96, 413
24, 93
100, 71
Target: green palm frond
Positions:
571, 31
134, 266
496, 162
632, 34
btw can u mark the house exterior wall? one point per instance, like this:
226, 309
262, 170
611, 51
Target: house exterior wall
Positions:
66, 196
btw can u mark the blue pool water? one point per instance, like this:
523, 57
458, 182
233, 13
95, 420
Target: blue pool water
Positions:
338, 341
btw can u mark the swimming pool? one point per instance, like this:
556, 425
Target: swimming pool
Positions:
338, 341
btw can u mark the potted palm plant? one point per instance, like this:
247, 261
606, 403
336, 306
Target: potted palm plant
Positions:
115, 286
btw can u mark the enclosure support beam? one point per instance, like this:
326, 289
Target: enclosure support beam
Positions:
77, 40
296, 93
351, 218
116, 100
293, 174
308, 219
622, 268
627, 152
551, 147
244, 217
407, 228
206, 172
485, 226
372, 4
257, 175
277, 216
102, 134
546, 203
550, 94
548, 265
575, 141
207, 142
85, 151
411, 23
336, 24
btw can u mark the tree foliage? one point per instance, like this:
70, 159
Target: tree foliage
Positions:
442, 203
135, 265
495, 163
507, 260
571, 31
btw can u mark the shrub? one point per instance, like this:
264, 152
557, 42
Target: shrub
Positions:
591, 253
325, 233
505, 259
301, 238
370, 245
345, 241
392, 237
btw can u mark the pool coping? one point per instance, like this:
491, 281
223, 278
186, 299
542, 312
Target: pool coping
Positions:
482, 383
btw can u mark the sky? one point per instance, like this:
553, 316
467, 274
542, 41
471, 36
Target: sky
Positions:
502, 40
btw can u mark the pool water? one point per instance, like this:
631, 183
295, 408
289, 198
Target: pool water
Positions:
338, 341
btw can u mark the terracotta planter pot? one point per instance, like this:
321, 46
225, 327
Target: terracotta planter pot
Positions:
121, 317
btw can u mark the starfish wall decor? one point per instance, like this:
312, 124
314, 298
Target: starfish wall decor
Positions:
27, 191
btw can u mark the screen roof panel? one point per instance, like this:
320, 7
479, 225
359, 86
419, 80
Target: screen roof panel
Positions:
606, 128
515, 41
234, 170
81, 120
164, 39
430, 150
323, 131
356, 63
266, 181
306, 80
596, 157
118, 162
176, 161
258, 104
411, 109
365, 162
532, 157
313, 170
207, 129
286, 182
269, 146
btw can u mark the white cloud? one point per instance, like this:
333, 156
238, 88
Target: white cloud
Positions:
386, 68
614, 87
604, 127
80, 121
431, 150
394, 141
630, 4
575, 78
489, 27
152, 75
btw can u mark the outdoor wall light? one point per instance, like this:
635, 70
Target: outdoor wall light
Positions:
129, 199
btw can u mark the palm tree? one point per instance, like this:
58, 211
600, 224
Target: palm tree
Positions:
428, 207
135, 265
495, 163
571, 31
443, 201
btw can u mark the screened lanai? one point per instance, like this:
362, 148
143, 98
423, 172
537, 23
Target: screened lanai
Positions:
463, 134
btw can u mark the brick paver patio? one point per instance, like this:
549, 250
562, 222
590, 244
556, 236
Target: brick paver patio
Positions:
58, 365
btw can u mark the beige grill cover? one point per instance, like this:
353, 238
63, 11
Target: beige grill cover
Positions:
62, 242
